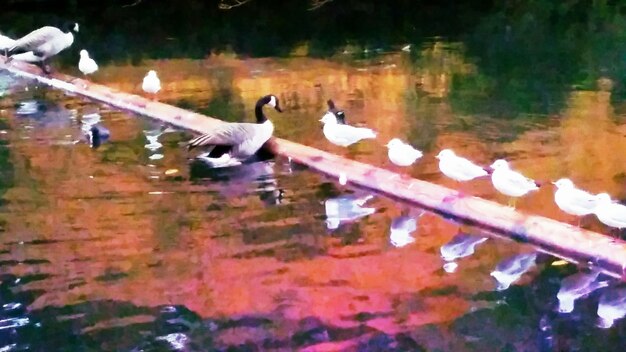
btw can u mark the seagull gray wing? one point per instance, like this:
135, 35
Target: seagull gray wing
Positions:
226, 134
36, 38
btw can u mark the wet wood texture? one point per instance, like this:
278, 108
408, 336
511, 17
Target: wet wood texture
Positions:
555, 237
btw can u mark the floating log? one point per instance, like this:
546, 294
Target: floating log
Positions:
561, 239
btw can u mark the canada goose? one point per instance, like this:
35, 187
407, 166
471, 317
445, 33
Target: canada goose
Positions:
86, 64
510, 182
44, 43
402, 154
338, 133
240, 140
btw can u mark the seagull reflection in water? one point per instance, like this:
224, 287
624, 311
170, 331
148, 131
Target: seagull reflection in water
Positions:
612, 306
346, 209
401, 229
511, 269
462, 245
578, 286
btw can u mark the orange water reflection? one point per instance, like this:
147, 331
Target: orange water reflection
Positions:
224, 254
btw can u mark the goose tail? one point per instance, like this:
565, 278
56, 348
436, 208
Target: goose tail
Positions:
197, 142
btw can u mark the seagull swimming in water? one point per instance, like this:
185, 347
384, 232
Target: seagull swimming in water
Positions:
510, 182
40, 45
342, 134
577, 286
609, 212
511, 269
86, 64
151, 83
402, 154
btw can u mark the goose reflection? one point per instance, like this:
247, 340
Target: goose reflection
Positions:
462, 245
236, 181
30, 108
577, 286
153, 139
612, 306
346, 209
94, 132
512, 268
401, 229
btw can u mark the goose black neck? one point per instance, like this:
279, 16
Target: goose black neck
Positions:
258, 112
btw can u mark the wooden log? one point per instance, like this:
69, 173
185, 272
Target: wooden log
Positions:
551, 236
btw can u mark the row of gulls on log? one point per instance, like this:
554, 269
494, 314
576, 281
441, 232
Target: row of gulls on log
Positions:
235, 142
232, 143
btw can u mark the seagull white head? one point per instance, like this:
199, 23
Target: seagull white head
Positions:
152, 73
446, 153
84, 53
329, 118
564, 183
500, 164
394, 143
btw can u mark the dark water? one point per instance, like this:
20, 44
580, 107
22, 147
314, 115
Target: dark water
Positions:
129, 247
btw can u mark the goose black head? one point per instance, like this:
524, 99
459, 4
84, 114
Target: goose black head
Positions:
270, 100
70, 27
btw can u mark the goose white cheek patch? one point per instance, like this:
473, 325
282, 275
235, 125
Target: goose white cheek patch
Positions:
272, 101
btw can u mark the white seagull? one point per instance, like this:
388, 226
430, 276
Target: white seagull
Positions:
511, 269
402, 154
6, 42
572, 200
509, 182
609, 212
458, 168
86, 64
151, 83
612, 306
577, 286
342, 134
43, 43
239, 141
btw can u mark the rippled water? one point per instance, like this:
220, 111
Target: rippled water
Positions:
130, 247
